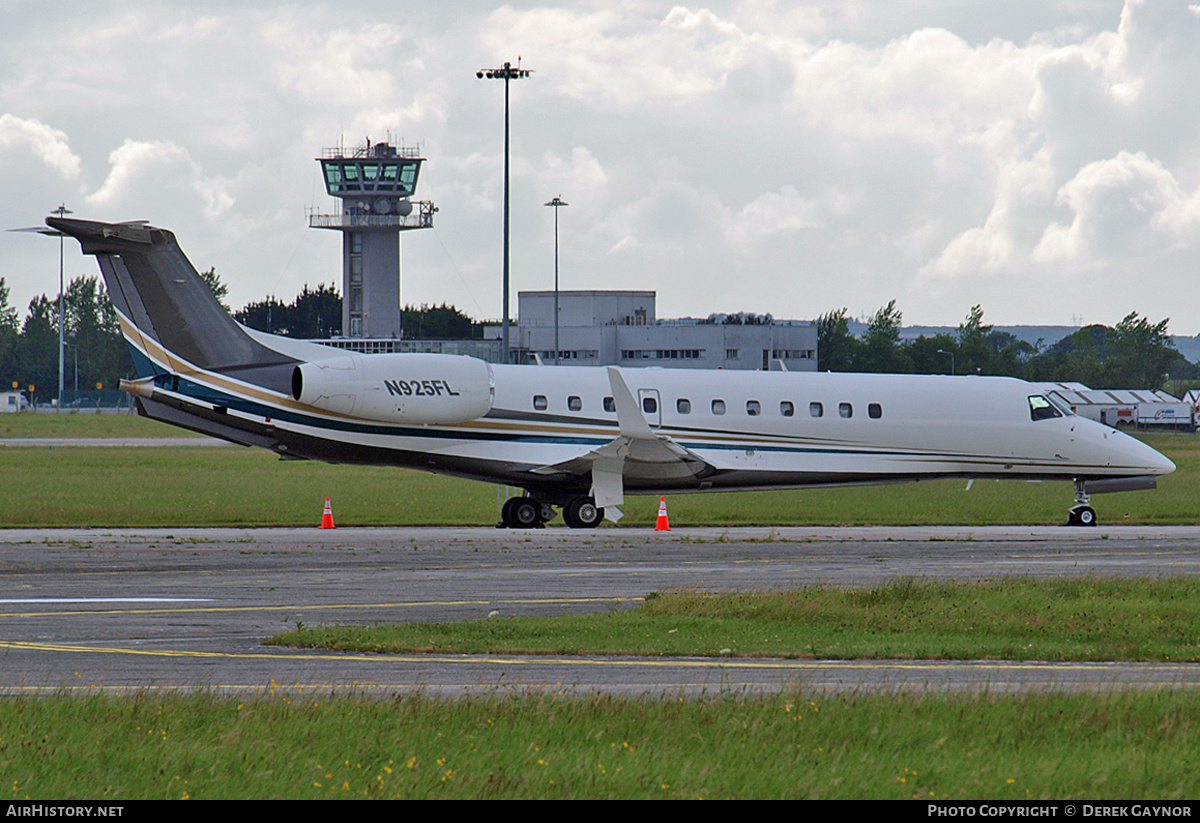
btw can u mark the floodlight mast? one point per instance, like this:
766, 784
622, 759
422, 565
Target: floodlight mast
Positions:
61, 211
506, 73
557, 203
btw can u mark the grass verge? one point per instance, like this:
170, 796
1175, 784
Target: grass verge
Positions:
1095, 619
1122, 745
177, 486
85, 424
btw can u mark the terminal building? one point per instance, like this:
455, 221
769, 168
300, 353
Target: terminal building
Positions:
620, 328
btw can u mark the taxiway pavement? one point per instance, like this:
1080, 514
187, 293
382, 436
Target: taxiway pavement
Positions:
164, 609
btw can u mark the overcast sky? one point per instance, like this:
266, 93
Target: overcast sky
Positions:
1038, 157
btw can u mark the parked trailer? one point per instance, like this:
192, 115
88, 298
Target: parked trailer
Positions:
1143, 409
1178, 415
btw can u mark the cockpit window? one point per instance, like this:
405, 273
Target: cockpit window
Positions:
1060, 403
1040, 408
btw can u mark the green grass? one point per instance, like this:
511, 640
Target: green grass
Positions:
176, 486
1094, 619
1125, 745
1122, 745
172, 486
85, 424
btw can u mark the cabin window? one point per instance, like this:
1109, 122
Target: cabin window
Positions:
650, 405
683, 405
718, 407
815, 410
787, 409
1041, 408
753, 408
610, 405
874, 411
845, 410
574, 403
539, 402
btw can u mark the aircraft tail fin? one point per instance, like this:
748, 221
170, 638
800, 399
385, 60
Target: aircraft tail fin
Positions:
170, 317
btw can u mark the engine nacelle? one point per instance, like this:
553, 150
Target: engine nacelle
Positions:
398, 388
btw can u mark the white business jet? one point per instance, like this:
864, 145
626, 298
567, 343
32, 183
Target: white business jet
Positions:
581, 438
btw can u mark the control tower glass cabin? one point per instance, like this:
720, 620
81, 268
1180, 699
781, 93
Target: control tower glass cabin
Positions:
375, 183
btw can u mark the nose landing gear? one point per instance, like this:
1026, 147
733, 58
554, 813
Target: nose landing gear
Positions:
1081, 514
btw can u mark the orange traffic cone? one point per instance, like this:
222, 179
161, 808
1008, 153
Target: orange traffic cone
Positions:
662, 525
327, 517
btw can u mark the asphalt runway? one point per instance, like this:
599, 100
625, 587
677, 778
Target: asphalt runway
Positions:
181, 609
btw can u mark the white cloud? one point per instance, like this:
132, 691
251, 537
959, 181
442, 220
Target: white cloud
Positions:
774, 213
580, 172
930, 86
145, 171
1122, 207
843, 154
322, 66
50, 145
621, 57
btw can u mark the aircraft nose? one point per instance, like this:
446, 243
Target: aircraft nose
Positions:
1163, 464
1153, 461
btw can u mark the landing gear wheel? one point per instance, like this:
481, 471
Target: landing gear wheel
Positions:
582, 513
506, 515
1081, 516
521, 513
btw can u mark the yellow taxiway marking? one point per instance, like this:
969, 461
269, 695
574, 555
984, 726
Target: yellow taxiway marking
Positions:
710, 662
293, 607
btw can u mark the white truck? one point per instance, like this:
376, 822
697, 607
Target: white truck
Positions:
13, 401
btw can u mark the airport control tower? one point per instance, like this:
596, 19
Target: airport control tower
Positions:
375, 183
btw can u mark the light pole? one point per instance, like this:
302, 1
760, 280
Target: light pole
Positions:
60, 211
943, 351
506, 72
62, 319
75, 348
557, 203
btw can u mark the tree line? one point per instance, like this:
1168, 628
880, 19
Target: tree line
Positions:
1134, 354
96, 356
316, 314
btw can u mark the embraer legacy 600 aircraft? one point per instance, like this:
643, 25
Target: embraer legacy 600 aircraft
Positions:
580, 438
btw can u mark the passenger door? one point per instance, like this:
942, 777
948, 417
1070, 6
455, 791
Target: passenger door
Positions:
651, 407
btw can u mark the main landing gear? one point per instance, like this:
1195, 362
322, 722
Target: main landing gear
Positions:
579, 512
1081, 514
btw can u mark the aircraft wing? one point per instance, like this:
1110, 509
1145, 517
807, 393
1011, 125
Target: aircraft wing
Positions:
638, 451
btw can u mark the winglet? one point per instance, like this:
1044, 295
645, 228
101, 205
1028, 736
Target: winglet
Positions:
629, 417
